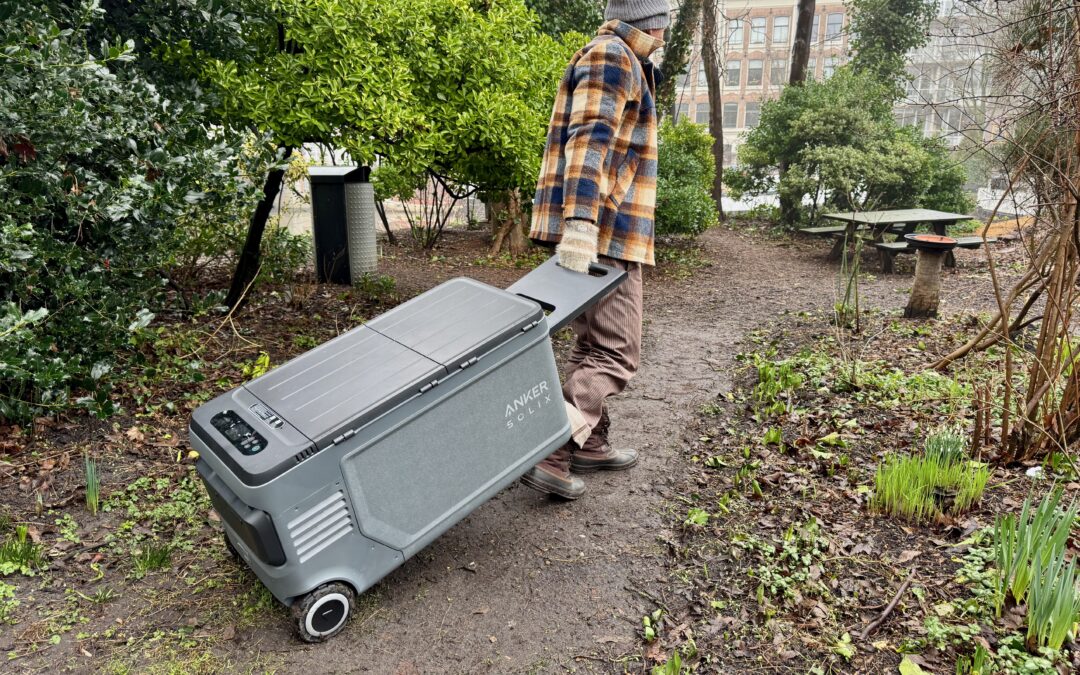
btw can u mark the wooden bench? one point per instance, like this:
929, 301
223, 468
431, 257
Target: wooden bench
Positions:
890, 249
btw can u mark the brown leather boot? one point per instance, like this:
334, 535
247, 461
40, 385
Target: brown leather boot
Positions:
552, 475
598, 455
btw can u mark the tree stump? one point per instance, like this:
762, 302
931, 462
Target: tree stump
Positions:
926, 291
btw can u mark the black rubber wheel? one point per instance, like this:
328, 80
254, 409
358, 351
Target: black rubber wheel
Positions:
233, 553
322, 613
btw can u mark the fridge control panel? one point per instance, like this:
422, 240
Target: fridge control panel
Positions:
238, 432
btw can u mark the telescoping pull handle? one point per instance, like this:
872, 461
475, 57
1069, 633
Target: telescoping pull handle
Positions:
565, 294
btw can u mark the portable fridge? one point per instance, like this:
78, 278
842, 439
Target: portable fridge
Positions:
331, 470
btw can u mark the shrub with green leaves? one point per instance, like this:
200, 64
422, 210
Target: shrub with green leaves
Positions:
844, 151
685, 173
96, 167
922, 487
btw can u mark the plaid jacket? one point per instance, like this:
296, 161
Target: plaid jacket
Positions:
600, 159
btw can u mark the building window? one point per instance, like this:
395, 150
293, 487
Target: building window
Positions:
727, 153
683, 112
814, 31
702, 116
735, 34
829, 68
731, 115
757, 30
811, 68
834, 25
702, 81
953, 123
732, 73
753, 73
778, 73
780, 27
752, 115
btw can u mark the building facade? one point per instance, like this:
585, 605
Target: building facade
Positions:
757, 38
942, 98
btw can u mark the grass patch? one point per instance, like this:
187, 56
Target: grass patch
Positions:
924, 487
152, 557
21, 554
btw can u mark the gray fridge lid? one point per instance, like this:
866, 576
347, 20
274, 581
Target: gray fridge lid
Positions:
343, 384
457, 321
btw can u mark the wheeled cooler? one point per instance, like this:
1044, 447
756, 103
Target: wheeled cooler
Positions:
331, 470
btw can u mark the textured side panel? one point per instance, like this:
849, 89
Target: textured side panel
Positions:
317, 528
360, 218
423, 477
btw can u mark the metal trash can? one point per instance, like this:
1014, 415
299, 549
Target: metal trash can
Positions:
330, 220
331, 470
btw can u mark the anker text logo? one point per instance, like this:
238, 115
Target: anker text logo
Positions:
527, 404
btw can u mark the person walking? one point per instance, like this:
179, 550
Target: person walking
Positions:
595, 202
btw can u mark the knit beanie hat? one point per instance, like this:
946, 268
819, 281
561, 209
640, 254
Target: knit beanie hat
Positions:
641, 14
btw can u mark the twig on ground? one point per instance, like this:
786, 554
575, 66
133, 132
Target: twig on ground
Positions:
648, 596
888, 609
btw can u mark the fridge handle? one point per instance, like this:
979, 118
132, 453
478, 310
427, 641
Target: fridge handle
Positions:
566, 294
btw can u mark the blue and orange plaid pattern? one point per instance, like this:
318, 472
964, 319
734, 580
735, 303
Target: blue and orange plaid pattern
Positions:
600, 160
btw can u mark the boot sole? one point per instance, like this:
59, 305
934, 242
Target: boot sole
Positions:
592, 468
548, 488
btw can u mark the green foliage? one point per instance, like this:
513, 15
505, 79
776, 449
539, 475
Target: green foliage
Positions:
8, 603
257, 367
463, 89
791, 567
845, 151
568, 16
685, 173
207, 240
152, 557
19, 553
96, 167
884, 32
923, 487
1031, 566
1053, 602
777, 382
93, 485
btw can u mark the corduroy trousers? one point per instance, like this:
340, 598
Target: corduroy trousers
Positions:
607, 352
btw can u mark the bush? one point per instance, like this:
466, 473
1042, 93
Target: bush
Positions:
686, 171
96, 167
844, 151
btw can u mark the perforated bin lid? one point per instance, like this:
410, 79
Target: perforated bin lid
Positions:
341, 385
458, 320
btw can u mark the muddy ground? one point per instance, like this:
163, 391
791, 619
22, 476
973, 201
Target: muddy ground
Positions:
523, 585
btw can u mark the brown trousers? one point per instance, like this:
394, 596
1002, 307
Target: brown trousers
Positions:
608, 348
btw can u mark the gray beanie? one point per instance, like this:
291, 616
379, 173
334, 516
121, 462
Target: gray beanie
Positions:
641, 14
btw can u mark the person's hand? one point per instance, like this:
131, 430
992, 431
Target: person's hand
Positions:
578, 246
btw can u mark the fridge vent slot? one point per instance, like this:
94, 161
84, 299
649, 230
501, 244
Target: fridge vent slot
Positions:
320, 526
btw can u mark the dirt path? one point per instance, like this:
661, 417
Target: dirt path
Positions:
527, 584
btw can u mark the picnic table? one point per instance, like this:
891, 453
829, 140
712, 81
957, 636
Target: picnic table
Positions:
876, 225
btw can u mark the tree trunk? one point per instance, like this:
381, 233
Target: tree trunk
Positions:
385, 222
800, 50
507, 224
676, 54
800, 57
710, 59
926, 290
247, 267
